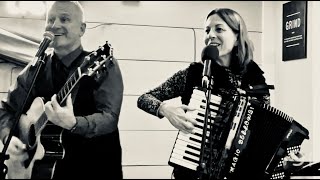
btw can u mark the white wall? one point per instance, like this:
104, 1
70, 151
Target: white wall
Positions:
314, 44
296, 81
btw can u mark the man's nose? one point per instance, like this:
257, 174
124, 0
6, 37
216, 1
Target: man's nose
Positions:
55, 25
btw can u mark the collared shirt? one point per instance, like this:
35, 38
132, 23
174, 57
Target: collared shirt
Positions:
62, 67
106, 94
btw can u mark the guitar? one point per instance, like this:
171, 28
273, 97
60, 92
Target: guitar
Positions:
44, 139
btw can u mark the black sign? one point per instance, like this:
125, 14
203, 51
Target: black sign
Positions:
294, 30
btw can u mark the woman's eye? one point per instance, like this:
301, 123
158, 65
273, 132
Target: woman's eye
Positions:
219, 29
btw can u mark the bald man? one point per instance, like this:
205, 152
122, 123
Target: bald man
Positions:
88, 119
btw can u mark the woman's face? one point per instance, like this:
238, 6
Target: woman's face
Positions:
218, 33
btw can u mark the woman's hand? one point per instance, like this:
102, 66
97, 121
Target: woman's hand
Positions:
294, 160
178, 118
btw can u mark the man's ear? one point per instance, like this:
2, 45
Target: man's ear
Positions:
83, 28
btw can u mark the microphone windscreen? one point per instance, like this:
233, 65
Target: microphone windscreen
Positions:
48, 35
210, 52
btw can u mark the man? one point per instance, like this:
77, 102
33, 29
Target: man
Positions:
90, 136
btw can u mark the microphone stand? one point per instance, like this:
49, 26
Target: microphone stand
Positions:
207, 84
3, 155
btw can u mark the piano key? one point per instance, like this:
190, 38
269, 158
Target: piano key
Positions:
193, 149
185, 158
189, 135
189, 140
184, 163
186, 153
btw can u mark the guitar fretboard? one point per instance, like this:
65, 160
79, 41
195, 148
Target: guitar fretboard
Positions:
68, 86
61, 97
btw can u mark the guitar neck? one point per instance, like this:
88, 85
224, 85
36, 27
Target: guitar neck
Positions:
61, 97
96, 61
69, 86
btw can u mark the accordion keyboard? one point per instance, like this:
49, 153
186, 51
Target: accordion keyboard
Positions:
187, 147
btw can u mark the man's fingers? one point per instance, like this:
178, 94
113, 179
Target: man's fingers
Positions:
18, 143
21, 146
17, 147
54, 102
48, 108
69, 101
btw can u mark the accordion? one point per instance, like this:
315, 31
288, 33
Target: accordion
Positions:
244, 138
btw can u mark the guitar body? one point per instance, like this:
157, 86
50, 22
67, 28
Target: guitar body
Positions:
42, 144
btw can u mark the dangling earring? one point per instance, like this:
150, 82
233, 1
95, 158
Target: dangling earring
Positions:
237, 51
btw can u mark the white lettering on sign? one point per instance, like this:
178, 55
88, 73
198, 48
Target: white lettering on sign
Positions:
295, 23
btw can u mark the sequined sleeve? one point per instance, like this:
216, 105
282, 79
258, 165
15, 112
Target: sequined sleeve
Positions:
173, 87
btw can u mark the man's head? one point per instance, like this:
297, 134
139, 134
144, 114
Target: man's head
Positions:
66, 20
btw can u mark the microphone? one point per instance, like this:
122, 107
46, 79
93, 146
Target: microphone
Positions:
209, 53
47, 38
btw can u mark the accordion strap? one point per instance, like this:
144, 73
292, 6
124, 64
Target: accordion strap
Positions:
260, 89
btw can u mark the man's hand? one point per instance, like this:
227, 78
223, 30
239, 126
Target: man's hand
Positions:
60, 116
17, 149
18, 155
16, 146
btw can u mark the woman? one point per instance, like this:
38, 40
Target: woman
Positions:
233, 70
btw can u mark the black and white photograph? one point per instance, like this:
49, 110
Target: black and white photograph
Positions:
200, 90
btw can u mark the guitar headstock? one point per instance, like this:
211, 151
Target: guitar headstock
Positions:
97, 61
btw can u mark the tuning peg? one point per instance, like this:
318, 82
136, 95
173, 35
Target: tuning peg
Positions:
101, 47
111, 51
95, 53
87, 58
90, 70
97, 63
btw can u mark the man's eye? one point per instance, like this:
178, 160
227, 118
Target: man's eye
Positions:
50, 21
64, 19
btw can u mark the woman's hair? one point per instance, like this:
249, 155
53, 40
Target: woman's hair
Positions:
243, 53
